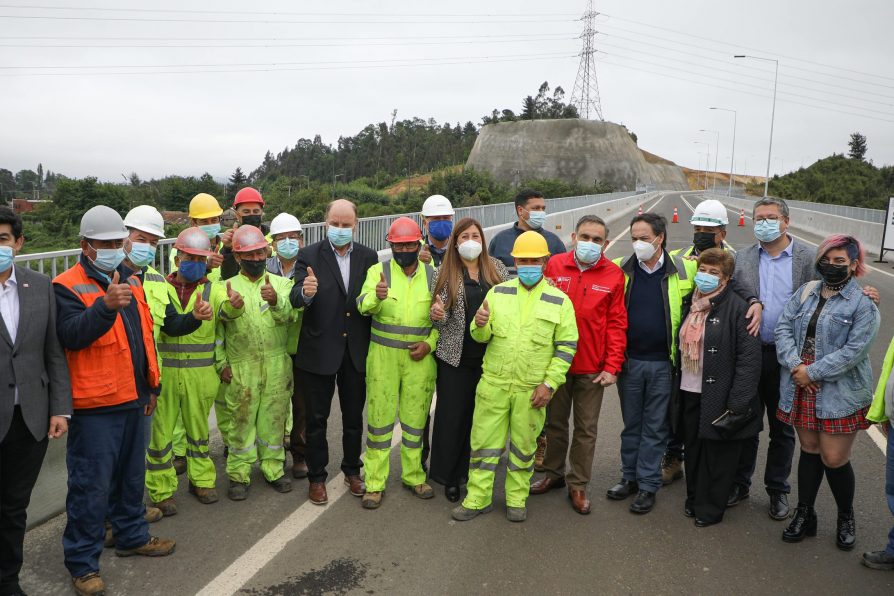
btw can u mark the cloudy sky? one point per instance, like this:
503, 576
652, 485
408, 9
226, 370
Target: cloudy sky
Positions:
209, 86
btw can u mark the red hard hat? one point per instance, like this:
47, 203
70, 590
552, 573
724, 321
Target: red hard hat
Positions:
404, 229
248, 195
248, 238
194, 241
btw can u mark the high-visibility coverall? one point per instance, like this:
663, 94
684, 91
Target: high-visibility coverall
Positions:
394, 381
532, 339
259, 396
189, 383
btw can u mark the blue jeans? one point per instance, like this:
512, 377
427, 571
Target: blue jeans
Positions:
889, 484
645, 390
106, 460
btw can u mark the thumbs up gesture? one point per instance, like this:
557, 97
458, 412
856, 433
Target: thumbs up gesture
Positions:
437, 312
227, 237
267, 291
382, 288
482, 316
310, 284
201, 310
425, 254
234, 297
118, 295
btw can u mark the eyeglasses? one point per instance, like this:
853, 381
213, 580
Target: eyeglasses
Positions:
770, 218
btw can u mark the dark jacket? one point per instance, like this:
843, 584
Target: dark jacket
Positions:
501, 245
331, 320
747, 281
732, 367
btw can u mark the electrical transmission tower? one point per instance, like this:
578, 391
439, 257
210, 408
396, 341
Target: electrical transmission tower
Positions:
586, 87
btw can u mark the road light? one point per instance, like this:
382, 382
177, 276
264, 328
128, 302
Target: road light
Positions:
772, 115
732, 159
707, 160
716, 155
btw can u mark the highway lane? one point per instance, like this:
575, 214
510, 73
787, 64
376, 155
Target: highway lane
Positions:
414, 546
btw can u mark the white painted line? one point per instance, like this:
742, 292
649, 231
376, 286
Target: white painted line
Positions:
627, 229
880, 440
729, 247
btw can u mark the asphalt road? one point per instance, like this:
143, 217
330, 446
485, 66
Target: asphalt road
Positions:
273, 544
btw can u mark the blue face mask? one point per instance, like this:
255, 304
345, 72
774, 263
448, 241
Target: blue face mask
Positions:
767, 230
192, 271
141, 254
440, 229
587, 252
529, 275
536, 219
706, 282
339, 236
108, 259
212, 230
287, 248
6, 257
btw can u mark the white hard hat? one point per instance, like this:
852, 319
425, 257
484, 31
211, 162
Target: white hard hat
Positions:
102, 223
437, 205
709, 213
146, 218
284, 222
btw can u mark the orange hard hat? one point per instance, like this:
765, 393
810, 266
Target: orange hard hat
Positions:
248, 238
248, 195
194, 241
404, 229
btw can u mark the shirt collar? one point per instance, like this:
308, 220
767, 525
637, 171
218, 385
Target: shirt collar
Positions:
788, 250
11, 282
337, 254
658, 265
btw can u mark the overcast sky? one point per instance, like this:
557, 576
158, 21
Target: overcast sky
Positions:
663, 68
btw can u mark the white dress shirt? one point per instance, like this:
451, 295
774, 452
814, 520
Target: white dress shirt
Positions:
9, 310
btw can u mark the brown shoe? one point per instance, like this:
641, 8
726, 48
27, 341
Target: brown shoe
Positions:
538, 455
156, 547
153, 514
421, 491
205, 496
89, 585
168, 507
372, 500
317, 493
180, 464
579, 501
299, 469
355, 485
546, 484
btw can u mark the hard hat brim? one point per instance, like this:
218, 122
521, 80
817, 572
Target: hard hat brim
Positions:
195, 251
710, 223
107, 236
147, 229
207, 214
251, 247
400, 239
528, 255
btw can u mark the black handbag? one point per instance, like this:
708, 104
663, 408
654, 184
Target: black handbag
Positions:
729, 423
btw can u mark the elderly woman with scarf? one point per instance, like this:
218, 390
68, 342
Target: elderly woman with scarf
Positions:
717, 406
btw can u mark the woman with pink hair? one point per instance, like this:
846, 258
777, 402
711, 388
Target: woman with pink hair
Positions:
823, 337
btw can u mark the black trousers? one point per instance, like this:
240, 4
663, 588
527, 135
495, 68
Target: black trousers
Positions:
20, 460
318, 391
453, 422
298, 436
782, 436
710, 464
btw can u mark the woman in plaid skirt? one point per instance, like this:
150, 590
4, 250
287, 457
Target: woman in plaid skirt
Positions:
823, 337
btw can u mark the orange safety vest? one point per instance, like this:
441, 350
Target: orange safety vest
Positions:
102, 373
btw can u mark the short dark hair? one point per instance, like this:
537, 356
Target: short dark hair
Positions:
525, 195
8, 216
657, 222
717, 257
591, 219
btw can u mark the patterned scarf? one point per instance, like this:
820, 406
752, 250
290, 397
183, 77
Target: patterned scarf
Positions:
692, 332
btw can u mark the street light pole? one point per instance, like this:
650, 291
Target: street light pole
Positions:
772, 116
732, 159
716, 155
707, 161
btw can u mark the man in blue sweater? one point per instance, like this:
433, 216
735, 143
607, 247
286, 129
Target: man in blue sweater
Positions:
530, 207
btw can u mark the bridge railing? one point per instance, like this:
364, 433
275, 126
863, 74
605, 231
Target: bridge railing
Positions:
861, 213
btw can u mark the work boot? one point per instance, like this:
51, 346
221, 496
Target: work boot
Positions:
281, 485
516, 514
156, 547
109, 540
168, 507
153, 514
803, 524
643, 503
355, 485
422, 491
316, 493
879, 559
538, 455
372, 500
205, 496
671, 469
89, 585
463, 514
299, 469
180, 464
237, 491
846, 536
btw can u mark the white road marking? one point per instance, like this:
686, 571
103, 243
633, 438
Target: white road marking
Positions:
729, 246
627, 229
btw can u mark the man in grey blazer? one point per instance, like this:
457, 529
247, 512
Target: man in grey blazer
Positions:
35, 393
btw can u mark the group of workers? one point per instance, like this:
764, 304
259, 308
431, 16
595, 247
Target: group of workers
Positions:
517, 338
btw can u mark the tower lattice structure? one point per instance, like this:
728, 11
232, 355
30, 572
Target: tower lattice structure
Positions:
586, 88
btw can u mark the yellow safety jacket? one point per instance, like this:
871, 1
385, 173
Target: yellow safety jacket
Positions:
878, 412
262, 330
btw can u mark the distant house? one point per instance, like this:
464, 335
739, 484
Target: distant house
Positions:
27, 205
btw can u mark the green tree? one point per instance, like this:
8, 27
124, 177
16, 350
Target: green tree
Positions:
857, 146
238, 178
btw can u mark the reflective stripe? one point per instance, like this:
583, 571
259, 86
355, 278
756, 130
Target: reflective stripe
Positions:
569, 358
154, 277
514, 468
391, 343
246, 450
197, 454
86, 288
378, 444
264, 306
681, 267
133, 281
264, 443
552, 299
185, 348
206, 291
429, 274
486, 453
156, 467
401, 329
197, 443
222, 314
483, 465
196, 363
505, 290
518, 453
386, 269
568, 344
416, 432
360, 300
411, 444
159, 454
379, 430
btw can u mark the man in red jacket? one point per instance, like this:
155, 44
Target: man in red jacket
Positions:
596, 288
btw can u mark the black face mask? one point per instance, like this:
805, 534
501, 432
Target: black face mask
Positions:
405, 259
253, 269
833, 274
251, 220
702, 241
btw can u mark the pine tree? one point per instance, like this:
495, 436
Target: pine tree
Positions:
857, 146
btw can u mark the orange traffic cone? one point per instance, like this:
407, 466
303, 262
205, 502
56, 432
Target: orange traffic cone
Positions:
640, 212
741, 218
676, 218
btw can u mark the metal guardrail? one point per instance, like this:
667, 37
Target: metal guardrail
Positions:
371, 231
861, 213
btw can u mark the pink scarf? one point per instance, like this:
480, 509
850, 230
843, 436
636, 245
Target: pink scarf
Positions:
692, 331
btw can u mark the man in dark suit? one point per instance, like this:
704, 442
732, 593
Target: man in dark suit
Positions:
333, 343
35, 395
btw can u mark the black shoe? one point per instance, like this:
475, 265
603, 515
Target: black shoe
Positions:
643, 502
703, 523
737, 494
803, 524
280, 485
779, 508
879, 559
622, 490
688, 511
846, 537
237, 491
452, 493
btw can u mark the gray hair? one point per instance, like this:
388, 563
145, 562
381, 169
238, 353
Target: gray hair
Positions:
782, 205
593, 219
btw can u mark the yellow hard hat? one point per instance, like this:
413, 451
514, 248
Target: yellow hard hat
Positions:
203, 206
530, 245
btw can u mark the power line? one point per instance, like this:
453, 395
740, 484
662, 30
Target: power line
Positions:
570, 35
274, 22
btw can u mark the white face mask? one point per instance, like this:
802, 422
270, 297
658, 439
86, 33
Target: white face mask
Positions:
469, 250
644, 250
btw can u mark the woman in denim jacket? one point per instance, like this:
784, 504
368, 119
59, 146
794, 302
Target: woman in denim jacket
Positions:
823, 337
